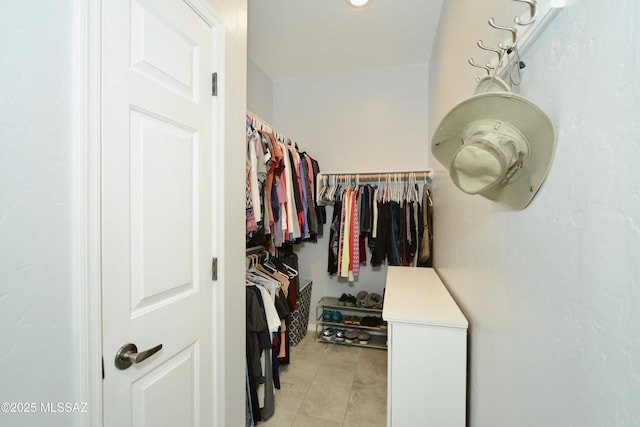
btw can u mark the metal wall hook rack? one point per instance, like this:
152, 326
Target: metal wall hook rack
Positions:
529, 26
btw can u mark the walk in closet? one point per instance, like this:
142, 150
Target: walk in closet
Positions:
372, 197
373, 220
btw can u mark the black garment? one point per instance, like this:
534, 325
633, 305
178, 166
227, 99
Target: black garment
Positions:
312, 219
403, 235
367, 209
413, 233
256, 325
275, 204
263, 374
282, 306
287, 256
395, 236
321, 212
382, 242
296, 182
334, 239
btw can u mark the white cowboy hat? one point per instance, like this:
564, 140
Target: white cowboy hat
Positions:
497, 144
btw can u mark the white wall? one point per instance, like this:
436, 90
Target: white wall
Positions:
367, 121
551, 292
38, 348
259, 92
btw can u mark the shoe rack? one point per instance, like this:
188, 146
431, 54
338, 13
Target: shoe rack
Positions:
350, 318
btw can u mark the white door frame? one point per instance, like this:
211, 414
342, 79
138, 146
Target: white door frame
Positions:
86, 181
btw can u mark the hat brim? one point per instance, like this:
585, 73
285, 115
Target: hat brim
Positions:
528, 118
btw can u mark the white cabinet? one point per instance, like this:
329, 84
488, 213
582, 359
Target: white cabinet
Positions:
427, 351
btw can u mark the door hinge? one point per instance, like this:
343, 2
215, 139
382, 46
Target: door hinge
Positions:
214, 84
102, 367
214, 269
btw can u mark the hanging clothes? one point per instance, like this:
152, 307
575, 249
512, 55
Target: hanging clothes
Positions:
427, 230
270, 300
334, 237
389, 217
281, 184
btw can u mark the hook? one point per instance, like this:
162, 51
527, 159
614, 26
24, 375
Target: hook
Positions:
513, 31
499, 52
533, 6
484, 67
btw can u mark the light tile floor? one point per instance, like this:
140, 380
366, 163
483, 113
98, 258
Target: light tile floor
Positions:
329, 385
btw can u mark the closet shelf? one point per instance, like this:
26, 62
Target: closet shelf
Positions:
348, 326
378, 335
376, 341
332, 302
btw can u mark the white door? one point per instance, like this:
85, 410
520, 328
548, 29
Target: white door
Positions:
158, 130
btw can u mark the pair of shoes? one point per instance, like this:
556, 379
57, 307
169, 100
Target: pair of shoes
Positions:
364, 337
347, 300
340, 335
369, 300
328, 334
374, 300
350, 336
331, 316
371, 321
351, 320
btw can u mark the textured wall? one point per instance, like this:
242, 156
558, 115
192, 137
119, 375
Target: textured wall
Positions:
36, 290
551, 292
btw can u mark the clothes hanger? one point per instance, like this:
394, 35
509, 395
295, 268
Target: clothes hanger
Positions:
323, 188
284, 268
331, 193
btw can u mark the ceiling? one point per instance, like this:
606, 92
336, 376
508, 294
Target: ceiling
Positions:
291, 39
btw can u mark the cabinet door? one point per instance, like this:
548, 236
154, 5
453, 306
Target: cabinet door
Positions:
427, 375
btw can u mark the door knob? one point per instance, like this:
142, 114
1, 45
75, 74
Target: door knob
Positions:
128, 355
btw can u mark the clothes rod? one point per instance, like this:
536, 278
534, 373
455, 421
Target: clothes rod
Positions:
263, 126
381, 176
255, 250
